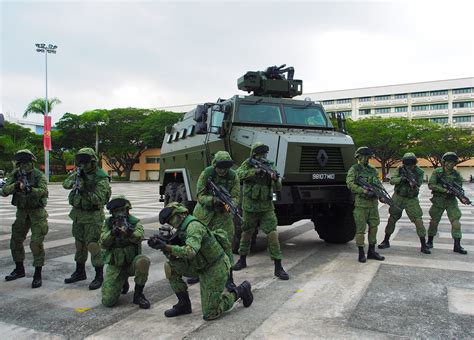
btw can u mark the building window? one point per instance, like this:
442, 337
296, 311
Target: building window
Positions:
364, 112
364, 99
462, 105
152, 160
401, 109
420, 108
401, 96
343, 101
439, 120
420, 94
346, 113
462, 119
382, 110
439, 106
327, 102
465, 90
382, 97
439, 93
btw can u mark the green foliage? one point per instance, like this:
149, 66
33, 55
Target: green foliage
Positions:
14, 137
58, 178
39, 106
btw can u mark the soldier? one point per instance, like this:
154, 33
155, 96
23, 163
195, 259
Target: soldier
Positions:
121, 240
90, 192
30, 194
209, 209
366, 210
407, 180
258, 209
199, 255
443, 200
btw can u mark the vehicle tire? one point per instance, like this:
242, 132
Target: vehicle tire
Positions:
181, 197
170, 192
336, 224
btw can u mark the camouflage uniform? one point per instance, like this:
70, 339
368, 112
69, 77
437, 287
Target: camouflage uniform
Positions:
200, 255
208, 209
366, 210
87, 214
122, 253
406, 198
31, 214
258, 210
444, 200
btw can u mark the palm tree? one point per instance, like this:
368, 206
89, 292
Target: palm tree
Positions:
38, 106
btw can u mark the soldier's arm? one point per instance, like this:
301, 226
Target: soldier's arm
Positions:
396, 178
458, 179
42, 189
434, 185
350, 181
194, 236
137, 235
98, 197
69, 181
203, 196
235, 191
245, 171
9, 186
106, 237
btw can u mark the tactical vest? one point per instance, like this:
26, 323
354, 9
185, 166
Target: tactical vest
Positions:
369, 174
122, 251
259, 188
25, 200
453, 177
404, 189
81, 200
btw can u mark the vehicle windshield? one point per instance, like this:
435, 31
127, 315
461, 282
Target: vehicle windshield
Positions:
312, 116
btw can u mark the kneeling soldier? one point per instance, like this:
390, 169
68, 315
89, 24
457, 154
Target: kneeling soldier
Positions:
121, 239
200, 255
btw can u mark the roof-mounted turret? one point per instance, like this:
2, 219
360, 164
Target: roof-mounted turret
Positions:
272, 82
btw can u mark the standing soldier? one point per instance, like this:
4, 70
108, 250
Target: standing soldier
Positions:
366, 210
407, 180
90, 192
443, 200
209, 209
258, 209
199, 254
30, 194
121, 240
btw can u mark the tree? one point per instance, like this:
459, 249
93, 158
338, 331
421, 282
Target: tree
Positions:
14, 137
38, 106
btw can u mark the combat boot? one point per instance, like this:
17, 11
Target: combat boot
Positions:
192, 280
244, 292
457, 247
182, 307
230, 285
280, 272
241, 263
37, 280
78, 275
125, 287
385, 243
373, 255
424, 249
140, 299
362, 257
18, 272
429, 244
98, 280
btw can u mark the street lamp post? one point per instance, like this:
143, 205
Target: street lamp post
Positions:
42, 48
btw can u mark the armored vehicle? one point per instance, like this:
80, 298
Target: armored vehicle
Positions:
311, 154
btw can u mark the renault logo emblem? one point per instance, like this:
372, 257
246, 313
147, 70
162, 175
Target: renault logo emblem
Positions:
322, 158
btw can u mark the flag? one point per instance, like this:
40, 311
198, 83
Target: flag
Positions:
47, 133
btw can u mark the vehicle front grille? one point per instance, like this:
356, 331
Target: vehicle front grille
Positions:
330, 156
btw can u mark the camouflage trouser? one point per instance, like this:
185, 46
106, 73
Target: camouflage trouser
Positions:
454, 215
413, 210
116, 276
36, 219
364, 216
87, 237
224, 221
267, 221
215, 299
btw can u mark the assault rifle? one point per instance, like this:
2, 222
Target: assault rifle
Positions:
454, 189
376, 190
264, 166
223, 195
408, 176
167, 234
121, 224
23, 179
77, 184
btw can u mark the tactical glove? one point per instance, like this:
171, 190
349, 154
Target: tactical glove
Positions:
156, 243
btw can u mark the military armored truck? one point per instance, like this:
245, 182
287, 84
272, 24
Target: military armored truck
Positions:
311, 154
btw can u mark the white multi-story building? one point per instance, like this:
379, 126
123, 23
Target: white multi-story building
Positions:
445, 101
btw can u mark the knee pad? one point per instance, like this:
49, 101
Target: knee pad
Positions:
272, 236
168, 270
93, 248
109, 301
35, 247
143, 264
456, 224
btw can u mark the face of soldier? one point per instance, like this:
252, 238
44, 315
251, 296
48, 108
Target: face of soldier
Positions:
363, 159
120, 212
25, 166
176, 220
88, 167
449, 165
260, 155
222, 171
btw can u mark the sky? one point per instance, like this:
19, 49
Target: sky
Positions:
152, 54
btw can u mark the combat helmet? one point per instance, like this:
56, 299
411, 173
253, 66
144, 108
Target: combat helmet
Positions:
171, 210
84, 155
259, 148
24, 155
363, 151
222, 160
118, 202
450, 157
409, 158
